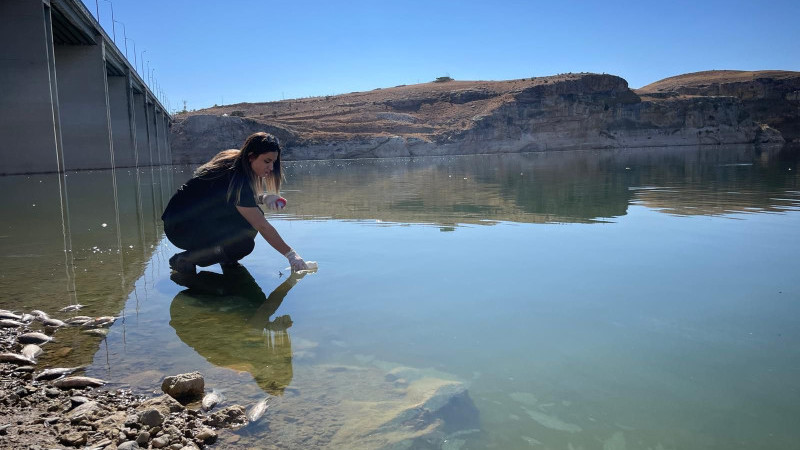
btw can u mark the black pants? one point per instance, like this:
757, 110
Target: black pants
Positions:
211, 242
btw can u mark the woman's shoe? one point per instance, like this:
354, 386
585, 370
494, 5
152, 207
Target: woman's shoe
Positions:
180, 263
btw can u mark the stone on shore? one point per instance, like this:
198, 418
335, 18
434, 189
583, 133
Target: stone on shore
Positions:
184, 387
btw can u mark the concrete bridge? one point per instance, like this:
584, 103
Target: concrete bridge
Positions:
69, 99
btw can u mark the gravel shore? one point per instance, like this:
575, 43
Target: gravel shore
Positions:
42, 410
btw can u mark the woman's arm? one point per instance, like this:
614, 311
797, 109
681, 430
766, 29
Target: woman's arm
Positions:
256, 218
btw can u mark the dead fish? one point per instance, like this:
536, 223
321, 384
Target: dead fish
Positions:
15, 358
77, 382
74, 307
212, 399
6, 314
27, 318
50, 374
78, 320
40, 314
97, 331
257, 410
34, 338
10, 323
31, 351
53, 323
98, 322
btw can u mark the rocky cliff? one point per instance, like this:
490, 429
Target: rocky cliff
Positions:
770, 97
571, 111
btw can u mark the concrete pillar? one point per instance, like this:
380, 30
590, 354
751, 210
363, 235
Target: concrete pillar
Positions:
83, 103
28, 102
162, 135
124, 155
166, 138
142, 145
152, 132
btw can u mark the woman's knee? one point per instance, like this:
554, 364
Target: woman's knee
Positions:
240, 248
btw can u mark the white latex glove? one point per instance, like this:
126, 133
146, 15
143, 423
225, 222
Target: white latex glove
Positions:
295, 261
273, 202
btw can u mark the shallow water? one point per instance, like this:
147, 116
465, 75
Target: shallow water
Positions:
607, 299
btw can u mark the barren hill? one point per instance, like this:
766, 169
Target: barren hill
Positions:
568, 111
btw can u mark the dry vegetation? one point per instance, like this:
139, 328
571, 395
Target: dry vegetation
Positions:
419, 110
706, 78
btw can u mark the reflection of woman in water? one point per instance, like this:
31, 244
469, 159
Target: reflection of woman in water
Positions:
226, 319
214, 217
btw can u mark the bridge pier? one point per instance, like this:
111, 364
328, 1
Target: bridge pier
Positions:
121, 120
142, 140
83, 106
70, 99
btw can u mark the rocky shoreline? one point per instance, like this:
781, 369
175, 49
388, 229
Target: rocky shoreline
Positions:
42, 408
373, 404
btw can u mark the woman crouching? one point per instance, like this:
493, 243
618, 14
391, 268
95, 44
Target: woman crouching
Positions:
215, 216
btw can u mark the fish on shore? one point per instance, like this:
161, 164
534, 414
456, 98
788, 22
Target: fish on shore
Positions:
78, 320
77, 382
10, 323
15, 358
34, 338
103, 332
41, 315
56, 372
256, 411
31, 351
101, 321
211, 399
52, 323
69, 308
6, 314
27, 318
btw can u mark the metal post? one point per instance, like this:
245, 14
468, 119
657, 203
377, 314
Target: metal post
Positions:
125, 36
113, 28
134, 54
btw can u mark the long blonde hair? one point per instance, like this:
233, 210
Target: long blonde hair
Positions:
238, 162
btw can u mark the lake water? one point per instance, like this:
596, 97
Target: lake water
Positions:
637, 299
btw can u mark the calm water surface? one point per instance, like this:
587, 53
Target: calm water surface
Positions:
638, 299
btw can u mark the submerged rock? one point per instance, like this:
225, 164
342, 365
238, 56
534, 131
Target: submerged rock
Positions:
231, 417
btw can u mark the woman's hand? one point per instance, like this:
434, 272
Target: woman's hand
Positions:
273, 202
295, 261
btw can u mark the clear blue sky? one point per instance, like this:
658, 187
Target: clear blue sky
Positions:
214, 51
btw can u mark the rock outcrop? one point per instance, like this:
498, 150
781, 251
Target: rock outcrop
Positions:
770, 97
564, 112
